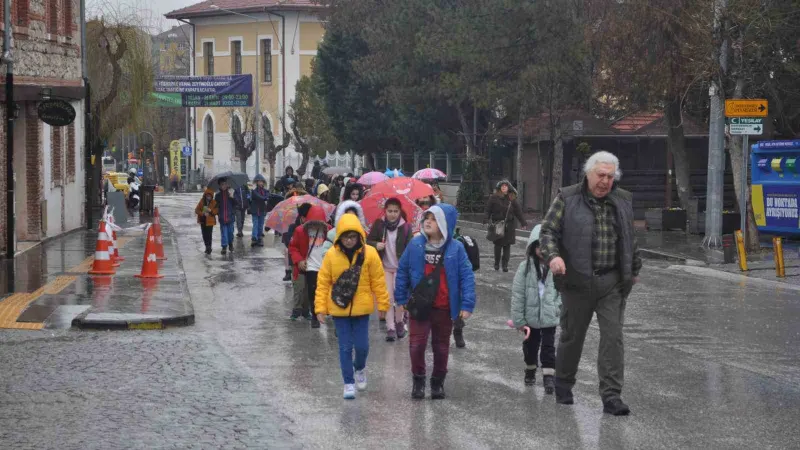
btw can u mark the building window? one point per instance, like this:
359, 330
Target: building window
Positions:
236, 53
266, 55
52, 12
21, 12
71, 154
208, 126
57, 154
68, 18
208, 52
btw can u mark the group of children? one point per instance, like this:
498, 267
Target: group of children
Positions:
344, 273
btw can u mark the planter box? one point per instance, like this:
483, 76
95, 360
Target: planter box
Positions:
665, 219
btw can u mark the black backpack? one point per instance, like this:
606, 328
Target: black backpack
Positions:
471, 246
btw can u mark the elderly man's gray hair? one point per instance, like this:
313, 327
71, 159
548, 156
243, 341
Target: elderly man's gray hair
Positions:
603, 157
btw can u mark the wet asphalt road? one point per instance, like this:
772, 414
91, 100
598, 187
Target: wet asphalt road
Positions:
712, 362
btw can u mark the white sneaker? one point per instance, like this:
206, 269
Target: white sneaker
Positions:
349, 391
361, 380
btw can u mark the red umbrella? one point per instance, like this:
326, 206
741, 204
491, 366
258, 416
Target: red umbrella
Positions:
373, 205
413, 189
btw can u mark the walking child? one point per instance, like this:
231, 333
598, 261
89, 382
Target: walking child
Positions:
242, 196
390, 235
258, 207
226, 206
306, 250
206, 209
435, 280
293, 274
351, 274
536, 304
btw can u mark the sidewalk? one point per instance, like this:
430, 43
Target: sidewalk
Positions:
51, 288
681, 248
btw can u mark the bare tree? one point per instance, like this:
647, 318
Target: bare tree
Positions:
242, 124
270, 149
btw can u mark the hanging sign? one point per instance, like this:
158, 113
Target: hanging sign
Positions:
55, 112
209, 91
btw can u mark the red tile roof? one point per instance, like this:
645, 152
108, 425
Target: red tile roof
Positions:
635, 122
243, 6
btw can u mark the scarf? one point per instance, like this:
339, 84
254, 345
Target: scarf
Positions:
391, 226
350, 252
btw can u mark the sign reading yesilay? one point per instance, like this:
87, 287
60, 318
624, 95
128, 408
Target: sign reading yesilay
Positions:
207, 91
747, 125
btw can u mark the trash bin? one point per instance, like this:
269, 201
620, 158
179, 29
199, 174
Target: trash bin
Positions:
147, 194
729, 248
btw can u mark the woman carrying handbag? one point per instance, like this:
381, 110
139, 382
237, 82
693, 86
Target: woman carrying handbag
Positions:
502, 212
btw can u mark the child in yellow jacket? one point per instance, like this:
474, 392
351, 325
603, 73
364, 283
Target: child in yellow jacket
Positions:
352, 319
206, 211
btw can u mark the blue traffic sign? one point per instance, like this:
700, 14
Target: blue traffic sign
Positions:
187, 151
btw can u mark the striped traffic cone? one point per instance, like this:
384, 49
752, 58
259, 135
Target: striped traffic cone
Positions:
115, 257
159, 238
116, 247
102, 258
149, 262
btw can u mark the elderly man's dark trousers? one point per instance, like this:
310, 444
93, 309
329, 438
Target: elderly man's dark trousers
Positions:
601, 295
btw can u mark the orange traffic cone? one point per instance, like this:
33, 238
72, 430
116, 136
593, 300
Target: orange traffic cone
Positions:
112, 250
116, 247
149, 262
159, 238
102, 258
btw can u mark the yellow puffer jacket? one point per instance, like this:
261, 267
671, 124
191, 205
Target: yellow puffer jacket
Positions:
372, 280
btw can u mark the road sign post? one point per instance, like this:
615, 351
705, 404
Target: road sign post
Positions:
746, 118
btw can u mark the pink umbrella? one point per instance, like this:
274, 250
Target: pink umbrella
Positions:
370, 178
410, 187
429, 174
285, 213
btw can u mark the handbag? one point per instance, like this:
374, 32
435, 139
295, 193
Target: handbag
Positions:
422, 297
497, 230
346, 285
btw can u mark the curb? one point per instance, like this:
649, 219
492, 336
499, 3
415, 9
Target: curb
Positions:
133, 324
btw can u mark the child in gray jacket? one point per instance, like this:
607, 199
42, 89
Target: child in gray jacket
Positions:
536, 304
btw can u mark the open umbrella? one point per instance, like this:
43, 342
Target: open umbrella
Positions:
410, 187
370, 178
285, 213
429, 174
373, 205
336, 170
393, 173
235, 179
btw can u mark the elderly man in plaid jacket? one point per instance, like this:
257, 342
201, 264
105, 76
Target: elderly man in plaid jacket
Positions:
588, 240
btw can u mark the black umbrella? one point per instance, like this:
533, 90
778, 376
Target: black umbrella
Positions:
235, 179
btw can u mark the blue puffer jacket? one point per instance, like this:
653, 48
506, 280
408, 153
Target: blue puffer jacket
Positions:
458, 269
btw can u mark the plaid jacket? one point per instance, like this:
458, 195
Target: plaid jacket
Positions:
604, 240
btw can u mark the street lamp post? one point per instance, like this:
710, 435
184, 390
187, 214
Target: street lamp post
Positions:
155, 158
258, 84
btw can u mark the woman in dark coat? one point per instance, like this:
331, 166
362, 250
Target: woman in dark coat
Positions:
503, 205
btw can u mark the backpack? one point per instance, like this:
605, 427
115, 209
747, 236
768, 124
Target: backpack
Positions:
471, 246
344, 289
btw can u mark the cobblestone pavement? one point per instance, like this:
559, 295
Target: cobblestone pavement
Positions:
711, 363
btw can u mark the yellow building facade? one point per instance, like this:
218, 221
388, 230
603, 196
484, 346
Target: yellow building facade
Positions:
273, 41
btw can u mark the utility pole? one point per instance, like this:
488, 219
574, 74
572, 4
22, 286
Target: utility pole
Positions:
716, 140
10, 112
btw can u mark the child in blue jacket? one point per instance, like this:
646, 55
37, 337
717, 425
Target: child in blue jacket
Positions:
226, 207
455, 297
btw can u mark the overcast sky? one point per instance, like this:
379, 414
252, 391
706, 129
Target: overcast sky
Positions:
154, 9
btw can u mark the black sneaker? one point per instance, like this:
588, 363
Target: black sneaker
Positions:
459, 338
616, 407
530, 377
208, 250
564, 396
418, 389
549, 383
295, 314
240, 234
314, 323
288, 276
437, 388
224, 250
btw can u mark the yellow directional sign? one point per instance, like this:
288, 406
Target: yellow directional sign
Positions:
746, 108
